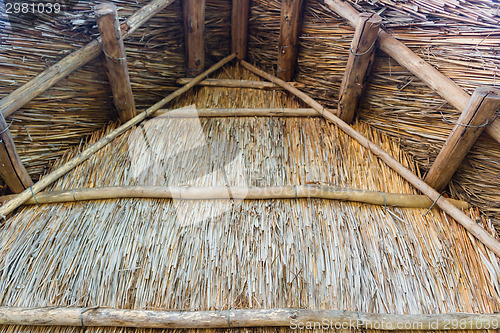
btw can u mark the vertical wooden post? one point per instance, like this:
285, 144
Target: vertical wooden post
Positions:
12, 170
239, 28
194, 28
291, 23
358, 67
481, 110
115, 61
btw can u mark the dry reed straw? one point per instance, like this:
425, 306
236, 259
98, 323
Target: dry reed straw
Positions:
8, 207
478, 232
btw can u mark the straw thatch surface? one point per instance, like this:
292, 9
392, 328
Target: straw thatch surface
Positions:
459, 38
164, 254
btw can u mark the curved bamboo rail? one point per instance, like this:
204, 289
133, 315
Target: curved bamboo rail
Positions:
236, 192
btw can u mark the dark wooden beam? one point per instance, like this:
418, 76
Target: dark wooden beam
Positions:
194, 28
115, 60
481, 110
358, 65
12, 170
291, 23
239, 28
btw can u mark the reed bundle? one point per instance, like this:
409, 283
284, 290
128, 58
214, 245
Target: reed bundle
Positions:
163, 254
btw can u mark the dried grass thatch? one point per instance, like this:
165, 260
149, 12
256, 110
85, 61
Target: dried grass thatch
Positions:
167, 254
459, 38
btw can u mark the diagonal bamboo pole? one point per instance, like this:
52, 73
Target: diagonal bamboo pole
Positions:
476, 230
22, 197
232, 318
43, 81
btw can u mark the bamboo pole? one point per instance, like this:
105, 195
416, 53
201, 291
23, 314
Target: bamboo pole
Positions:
43, 81
245, 112
291, 24
443, 85
358, 66
194, 41
234, 83
482, 109
19, 199
239, 28
115, 60
476, 230
236, 192
239, 318
12, 169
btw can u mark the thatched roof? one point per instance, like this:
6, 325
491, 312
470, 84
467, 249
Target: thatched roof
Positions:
460, 40
309, 253
202, 255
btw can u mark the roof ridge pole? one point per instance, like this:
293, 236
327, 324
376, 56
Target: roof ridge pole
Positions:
239, 28
288, 45
115, 60
475, 229
49, 77
12, 169
361, 55
194, 35
481, 110
22, 197
437, 81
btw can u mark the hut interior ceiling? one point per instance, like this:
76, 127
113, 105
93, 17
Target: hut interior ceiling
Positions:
304, 253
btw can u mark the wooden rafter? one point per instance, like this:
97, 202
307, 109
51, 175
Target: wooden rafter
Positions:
288, 46
358, 65
239, 28
234, 83
443, 85
115, 60
12, 169
481, 110
194, 40
43, 81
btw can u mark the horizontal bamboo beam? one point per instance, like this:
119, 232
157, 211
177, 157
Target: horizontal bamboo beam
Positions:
288, 43
234, 83
443, 85
12, 169
19, 199
239, 27
358, 66
236, 192
194, 39
482, 109
239, 318
115, 60
245, 112
475, 229
43, 81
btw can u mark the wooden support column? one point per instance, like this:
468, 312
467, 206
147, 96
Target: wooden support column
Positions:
12, 170
291, 23
358, 67
239, 28
194, 28
115, 61
481, 110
